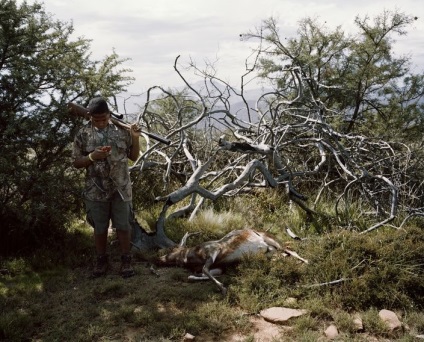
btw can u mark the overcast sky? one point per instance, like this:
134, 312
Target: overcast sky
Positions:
154, 32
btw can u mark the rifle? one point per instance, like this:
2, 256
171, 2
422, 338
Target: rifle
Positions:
79, 110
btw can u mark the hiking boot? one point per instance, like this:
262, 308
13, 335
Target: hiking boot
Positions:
126, 268
101, 266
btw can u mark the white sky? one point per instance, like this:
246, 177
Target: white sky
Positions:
154, 32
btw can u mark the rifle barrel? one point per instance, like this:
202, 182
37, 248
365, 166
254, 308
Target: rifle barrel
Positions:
79, 110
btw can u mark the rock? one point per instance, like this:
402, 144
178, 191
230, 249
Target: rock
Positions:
290, 301
265, 331
188, 337
331, 332
390, 318
280, 314
357, 322
138, 309
262, 331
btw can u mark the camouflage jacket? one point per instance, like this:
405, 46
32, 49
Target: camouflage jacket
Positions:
105, 177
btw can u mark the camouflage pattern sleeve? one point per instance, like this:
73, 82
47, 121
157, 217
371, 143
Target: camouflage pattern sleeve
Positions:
77, 150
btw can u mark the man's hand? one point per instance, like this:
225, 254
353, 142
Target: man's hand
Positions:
135, 130
101, 152
135, 146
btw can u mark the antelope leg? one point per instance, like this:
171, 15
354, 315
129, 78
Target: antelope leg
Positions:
293, 253
214, 271
207, 271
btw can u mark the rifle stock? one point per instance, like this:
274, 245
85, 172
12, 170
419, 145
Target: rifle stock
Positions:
79, 110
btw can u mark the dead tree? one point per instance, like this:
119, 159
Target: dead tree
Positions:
274, 141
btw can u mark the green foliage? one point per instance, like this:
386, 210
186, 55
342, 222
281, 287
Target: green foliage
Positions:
41, 70
368, 265
358, 77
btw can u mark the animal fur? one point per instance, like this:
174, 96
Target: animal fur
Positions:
213, 255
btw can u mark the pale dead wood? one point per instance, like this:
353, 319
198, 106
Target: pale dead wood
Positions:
278, 142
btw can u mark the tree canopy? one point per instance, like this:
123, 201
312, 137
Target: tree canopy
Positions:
356, 76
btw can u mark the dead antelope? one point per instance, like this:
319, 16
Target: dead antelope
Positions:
212, 255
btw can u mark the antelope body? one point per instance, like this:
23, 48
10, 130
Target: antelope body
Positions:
212, 255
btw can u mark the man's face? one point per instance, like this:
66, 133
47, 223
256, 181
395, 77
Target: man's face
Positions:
100, 121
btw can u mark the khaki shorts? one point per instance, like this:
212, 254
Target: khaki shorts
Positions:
100, 214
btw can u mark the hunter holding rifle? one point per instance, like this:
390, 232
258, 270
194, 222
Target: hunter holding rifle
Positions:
103, 149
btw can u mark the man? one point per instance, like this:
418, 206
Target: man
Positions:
103, 149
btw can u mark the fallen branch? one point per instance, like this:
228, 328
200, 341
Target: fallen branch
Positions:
333, 282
